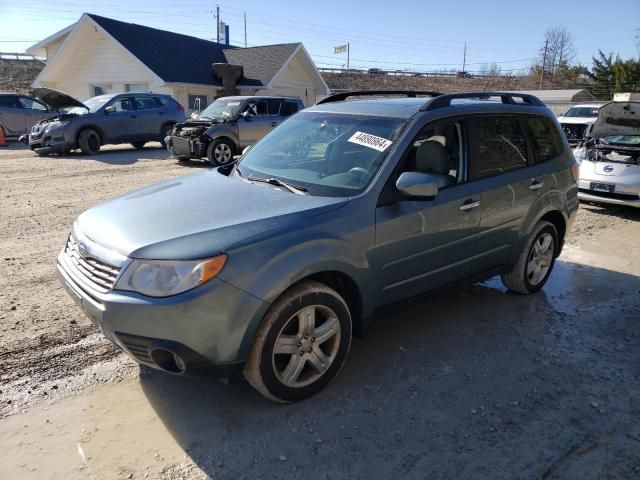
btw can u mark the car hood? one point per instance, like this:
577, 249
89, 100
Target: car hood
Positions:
57, 100
196, 216
577, 120
617, 118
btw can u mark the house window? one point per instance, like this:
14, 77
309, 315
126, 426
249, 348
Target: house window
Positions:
136, 87
197, 102
99, 90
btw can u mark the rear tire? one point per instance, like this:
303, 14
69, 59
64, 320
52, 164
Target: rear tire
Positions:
89, 141
138, 145
535, 263
220, 152
301, 344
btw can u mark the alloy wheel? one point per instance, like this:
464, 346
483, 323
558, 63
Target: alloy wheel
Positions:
222, 153
540, 258
306, 346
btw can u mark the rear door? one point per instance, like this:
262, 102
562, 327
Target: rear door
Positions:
151, 115
13, 117
500, 168
34, 111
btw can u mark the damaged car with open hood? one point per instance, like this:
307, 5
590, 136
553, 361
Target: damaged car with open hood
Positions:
229, 125
610, 155
135, 118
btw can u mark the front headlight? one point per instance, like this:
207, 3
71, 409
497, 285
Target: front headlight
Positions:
163, 278
57, 124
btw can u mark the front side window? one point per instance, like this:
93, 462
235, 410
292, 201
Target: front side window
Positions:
32, 104
326, 153
546, 140
123, 105
500, 145
10, 101
258, 109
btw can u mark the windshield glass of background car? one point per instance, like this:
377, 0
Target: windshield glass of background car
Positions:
222, 108
582, 112
93, 104
328, 154
633, 140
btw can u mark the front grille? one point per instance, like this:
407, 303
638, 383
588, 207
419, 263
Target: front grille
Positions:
617, 196
97, 273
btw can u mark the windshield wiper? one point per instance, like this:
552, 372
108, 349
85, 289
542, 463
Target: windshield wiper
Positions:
298, 190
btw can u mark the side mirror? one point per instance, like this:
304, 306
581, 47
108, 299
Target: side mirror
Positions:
246, 149
417, 185
110, 109
245, 115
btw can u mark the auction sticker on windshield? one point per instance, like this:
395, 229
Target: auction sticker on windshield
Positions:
371, 141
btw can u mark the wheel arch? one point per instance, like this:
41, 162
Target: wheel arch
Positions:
91, 126
560, 223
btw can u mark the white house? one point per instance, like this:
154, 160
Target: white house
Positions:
98, 55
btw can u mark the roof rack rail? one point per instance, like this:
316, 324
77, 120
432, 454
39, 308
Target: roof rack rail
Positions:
340, 97
506, 97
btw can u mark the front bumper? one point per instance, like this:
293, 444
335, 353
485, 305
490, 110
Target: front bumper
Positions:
51, 141
204, 327
622, 179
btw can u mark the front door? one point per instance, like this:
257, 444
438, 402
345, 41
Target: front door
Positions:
34, 112
151, 116
425, 244
12, 115
121, 125
257, 123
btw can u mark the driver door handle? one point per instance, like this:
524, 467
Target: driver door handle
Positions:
274, 124
469, 204
536, 184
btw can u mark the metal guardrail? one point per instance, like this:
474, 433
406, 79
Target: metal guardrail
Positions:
405, 73
19, 56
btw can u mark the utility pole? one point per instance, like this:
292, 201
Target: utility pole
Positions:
217, 23
544, 61
464, 58
245, 29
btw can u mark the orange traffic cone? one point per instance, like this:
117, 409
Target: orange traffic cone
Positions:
3, 141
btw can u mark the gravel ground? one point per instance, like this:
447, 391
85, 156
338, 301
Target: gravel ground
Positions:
475, 382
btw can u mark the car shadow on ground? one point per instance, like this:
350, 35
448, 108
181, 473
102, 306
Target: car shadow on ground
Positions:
120, 155
620, 211
472, 382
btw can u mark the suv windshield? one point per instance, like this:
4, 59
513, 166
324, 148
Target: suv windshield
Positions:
222, 108
582, 112
326, 153
93, 104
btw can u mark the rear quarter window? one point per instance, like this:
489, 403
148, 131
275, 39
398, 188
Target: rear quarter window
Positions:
500, 145
545, 138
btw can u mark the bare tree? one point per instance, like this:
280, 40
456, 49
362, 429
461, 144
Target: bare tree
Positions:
560, 50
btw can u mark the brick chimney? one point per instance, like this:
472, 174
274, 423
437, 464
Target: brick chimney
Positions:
229, 74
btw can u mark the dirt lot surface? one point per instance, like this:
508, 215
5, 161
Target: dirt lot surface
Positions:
475, 382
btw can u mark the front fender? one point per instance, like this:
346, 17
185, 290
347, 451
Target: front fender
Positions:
224, 130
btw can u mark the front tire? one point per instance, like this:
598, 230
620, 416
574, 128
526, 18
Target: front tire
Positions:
220, 152
89, 141
533, 267
301, 343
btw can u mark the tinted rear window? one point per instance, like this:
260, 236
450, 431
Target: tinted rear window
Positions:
9, 101
501, 145
547, 143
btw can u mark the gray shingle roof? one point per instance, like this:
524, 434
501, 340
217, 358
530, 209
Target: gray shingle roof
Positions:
183, 59
260, 64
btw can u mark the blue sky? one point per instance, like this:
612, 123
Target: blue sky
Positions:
414, 35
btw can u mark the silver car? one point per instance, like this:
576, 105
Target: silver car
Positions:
575, 121
610, 158
18, 113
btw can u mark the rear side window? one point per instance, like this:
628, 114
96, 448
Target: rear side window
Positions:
500, 145
146, 103
288, 108
274, 106
547, 143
